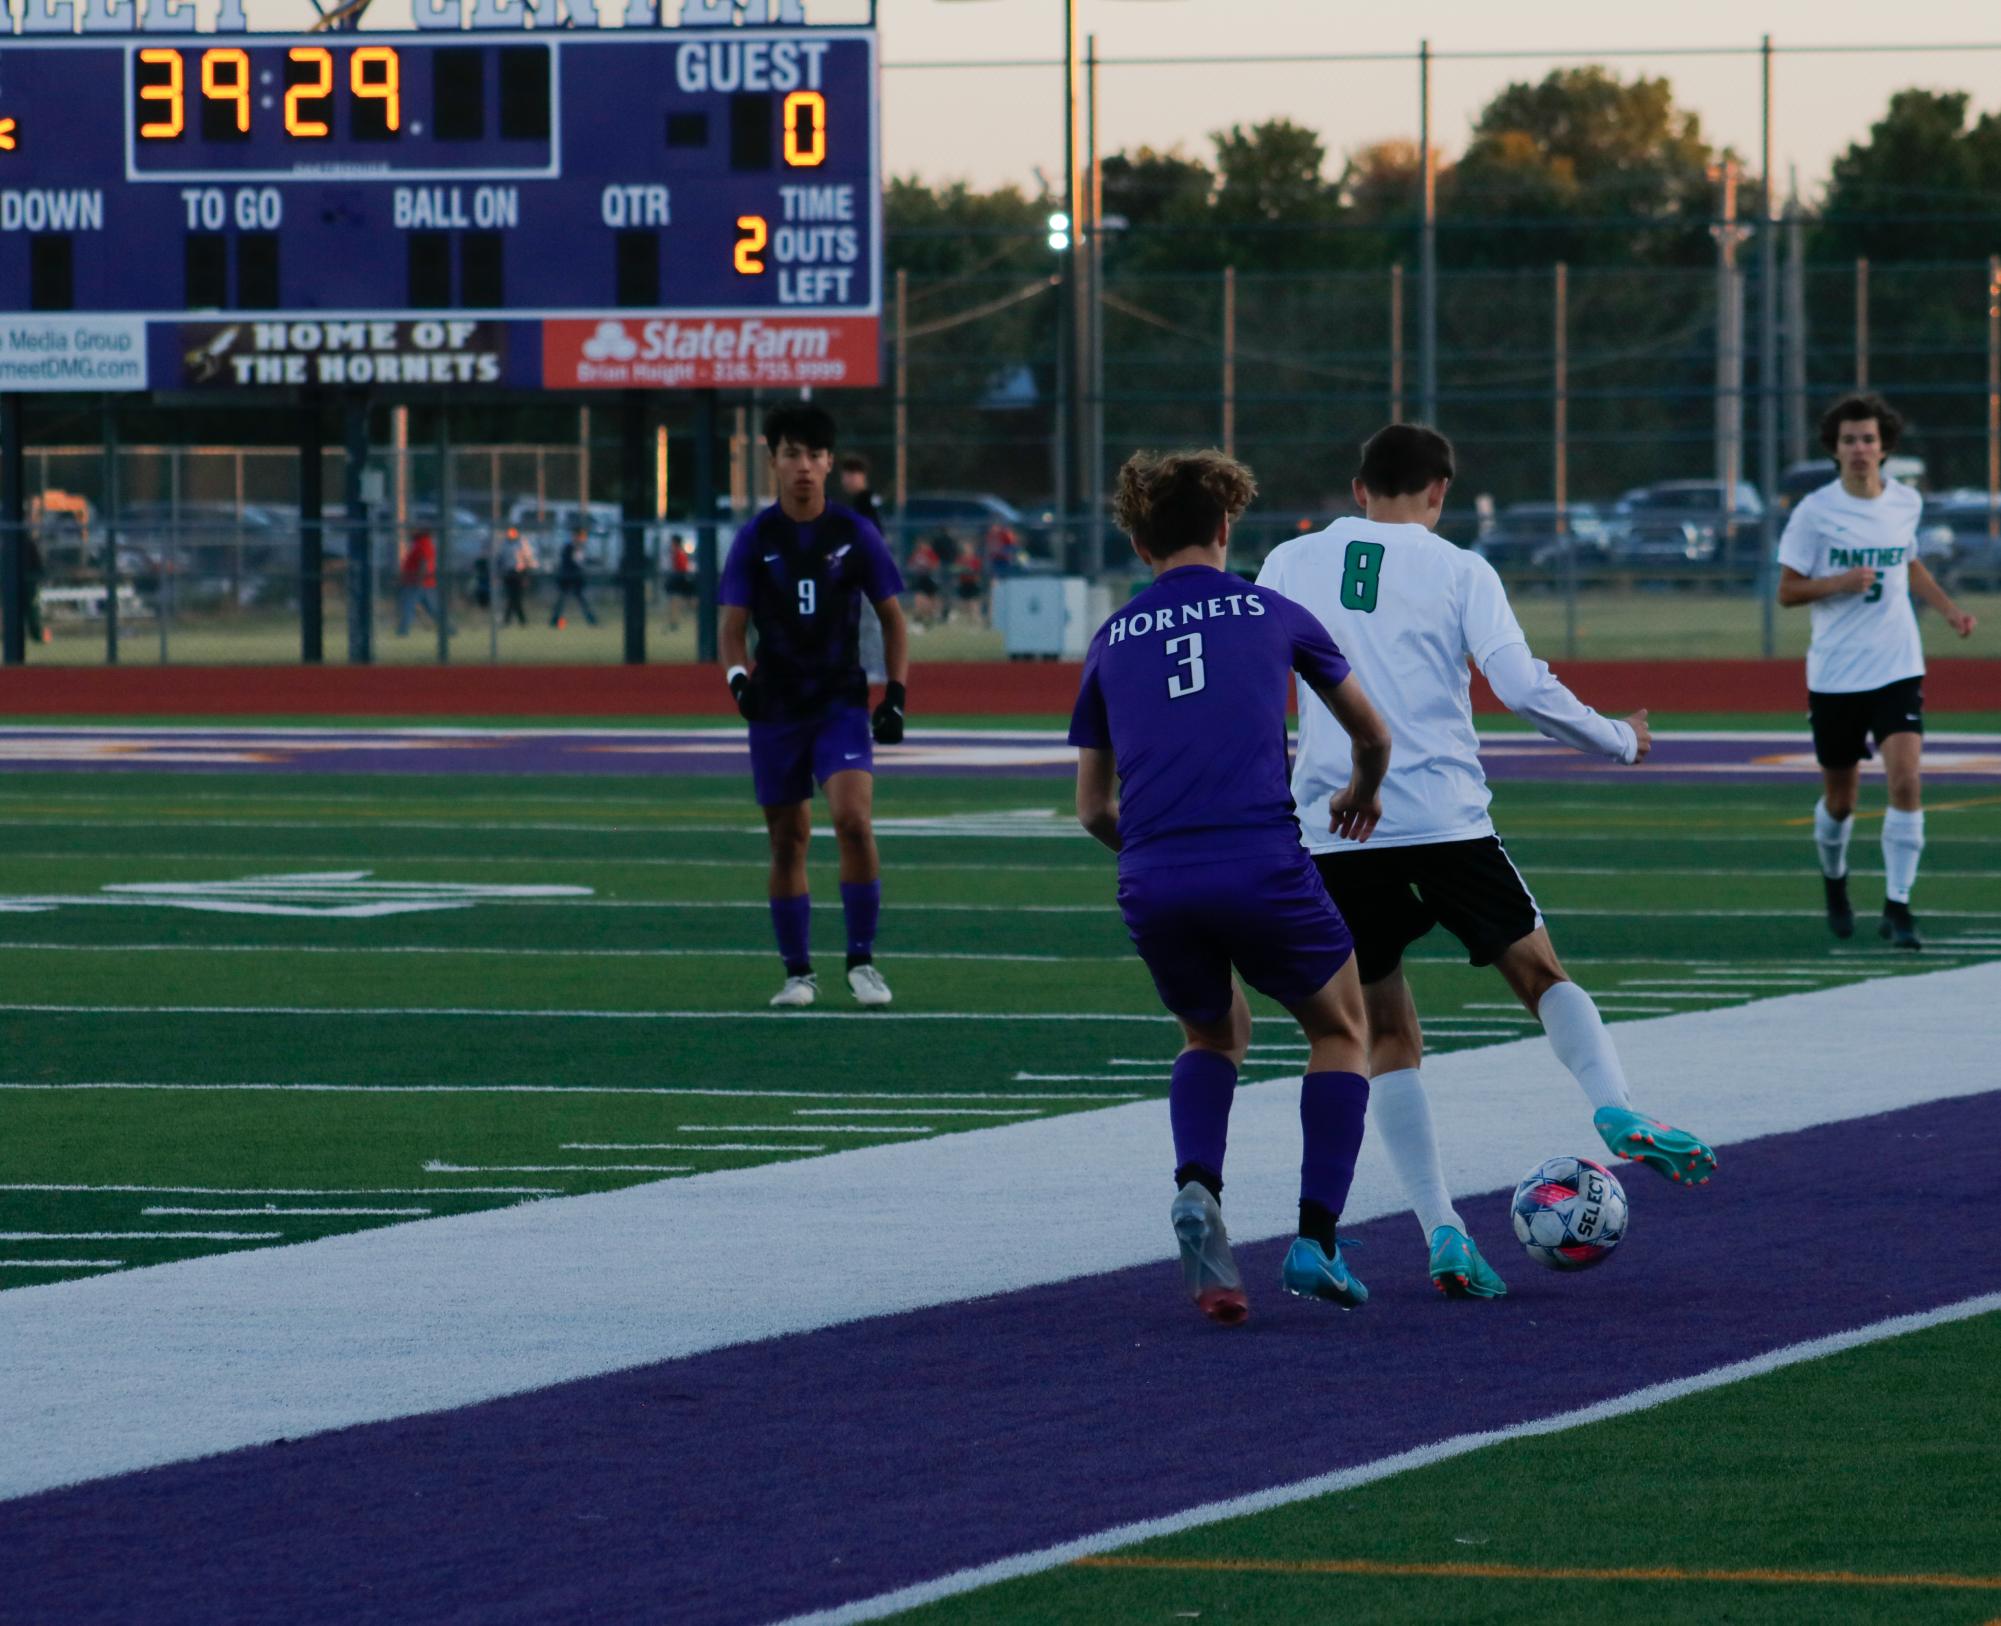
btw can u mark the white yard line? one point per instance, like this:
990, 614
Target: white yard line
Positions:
296, 1191
140, 1236
702, 1146
915, 1112
108, 1374
809, 1129
1368, 1473
61, 1264
578, 1089
373, 1012
435, 1166
366, 950
274, 1212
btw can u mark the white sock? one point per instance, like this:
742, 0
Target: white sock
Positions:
1831, 835
1400, 1118
1577, 1035
1903, 840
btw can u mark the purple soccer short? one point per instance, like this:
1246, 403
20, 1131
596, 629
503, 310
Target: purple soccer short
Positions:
786, 758
1268, 915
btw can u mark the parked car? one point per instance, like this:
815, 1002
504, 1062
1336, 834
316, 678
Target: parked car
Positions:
209, 551
1809, 475
1679, 524
1957, 540
1524, 536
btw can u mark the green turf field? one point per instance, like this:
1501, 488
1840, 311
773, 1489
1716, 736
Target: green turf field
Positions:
1766, 1502
515, 1047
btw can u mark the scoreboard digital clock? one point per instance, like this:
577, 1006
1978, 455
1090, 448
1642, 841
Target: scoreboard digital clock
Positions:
585, 208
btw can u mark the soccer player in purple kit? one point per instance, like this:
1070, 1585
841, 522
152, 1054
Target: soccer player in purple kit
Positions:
1183, 700
798, 573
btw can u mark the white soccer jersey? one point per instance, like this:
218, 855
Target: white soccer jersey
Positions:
1408, 610
1861, 641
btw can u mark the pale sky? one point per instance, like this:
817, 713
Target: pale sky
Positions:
993, 126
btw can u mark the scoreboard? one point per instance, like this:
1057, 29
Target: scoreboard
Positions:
562, 209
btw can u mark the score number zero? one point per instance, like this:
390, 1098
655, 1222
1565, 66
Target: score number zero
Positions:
375, 75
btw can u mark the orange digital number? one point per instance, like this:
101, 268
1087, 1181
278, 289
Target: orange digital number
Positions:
173, 93
225, 77
387, 88
318, 89
750, 246
805, 129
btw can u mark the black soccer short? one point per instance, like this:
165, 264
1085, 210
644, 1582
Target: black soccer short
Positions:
1844, 724
1392, 896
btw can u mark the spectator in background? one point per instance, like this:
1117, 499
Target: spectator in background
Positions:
32, 568
417, 582
515, 570
682, 588
858, 494
967, 573
570, 581
922, 573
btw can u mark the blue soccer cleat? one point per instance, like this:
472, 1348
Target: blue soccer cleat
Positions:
1663, 1148
1206, 1266
1458, 1271
1309, 1274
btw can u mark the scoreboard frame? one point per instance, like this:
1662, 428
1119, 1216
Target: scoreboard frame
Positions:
817, 337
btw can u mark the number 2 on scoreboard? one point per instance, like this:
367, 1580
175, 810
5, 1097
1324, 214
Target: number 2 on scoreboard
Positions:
317, 61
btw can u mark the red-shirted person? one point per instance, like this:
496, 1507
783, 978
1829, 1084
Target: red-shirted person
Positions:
417, 582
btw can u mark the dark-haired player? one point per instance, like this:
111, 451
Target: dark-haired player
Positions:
1411, 609
799, 573
1184, 700
1851, 551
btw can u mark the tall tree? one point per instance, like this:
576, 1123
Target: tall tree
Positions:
1921, 187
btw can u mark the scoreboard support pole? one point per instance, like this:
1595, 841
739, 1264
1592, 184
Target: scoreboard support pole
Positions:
360, 560
114, 501
13, 534
705, 526
635, 510
312, 552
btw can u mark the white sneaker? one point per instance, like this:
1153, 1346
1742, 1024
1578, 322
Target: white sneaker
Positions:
866, 984
798, 991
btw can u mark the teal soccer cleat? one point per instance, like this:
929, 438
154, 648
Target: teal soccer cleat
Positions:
1206, 1266
1663, 1148
1458, 1271
1309, 1274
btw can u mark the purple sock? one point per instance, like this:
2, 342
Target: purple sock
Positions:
790, 920
861, 903
1331, 1109
1198, 1105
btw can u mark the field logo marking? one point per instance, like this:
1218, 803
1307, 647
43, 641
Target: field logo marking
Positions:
349, 894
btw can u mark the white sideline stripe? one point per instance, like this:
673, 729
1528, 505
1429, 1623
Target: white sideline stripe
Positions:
274, 1212
538, 953
1158, 1018
573, 1089
808, 1129
107, 1374
917, 1112
140, 1236
431, 1166
1425, 1456
1722, 991
705, 1146
300, 1191
60, 1264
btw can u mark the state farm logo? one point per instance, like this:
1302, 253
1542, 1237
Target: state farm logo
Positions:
666, 352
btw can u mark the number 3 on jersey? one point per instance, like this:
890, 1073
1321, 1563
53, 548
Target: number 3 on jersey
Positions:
1361, 575
1191, 677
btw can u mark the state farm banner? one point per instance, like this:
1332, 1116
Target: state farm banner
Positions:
710, 352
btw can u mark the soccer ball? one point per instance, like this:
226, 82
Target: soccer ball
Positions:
1570, 1213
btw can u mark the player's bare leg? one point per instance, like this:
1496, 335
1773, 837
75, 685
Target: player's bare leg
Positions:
790, 827
851, 805
1577, 1035
1198, 1106
1903, 837
1833, 823
1333, 1105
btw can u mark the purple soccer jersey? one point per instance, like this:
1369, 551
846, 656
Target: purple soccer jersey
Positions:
1187, 687
804, 586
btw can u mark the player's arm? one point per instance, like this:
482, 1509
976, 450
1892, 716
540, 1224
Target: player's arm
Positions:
1357, 807
1795, 587
1927, 587
882, 582
1529, 689
1098, 794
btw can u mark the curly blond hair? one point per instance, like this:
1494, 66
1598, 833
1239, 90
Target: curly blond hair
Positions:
1169, 501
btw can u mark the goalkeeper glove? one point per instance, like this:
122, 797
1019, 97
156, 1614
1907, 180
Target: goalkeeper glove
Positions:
886, 721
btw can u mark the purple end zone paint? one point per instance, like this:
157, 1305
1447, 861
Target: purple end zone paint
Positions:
726, 752
756, 1482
